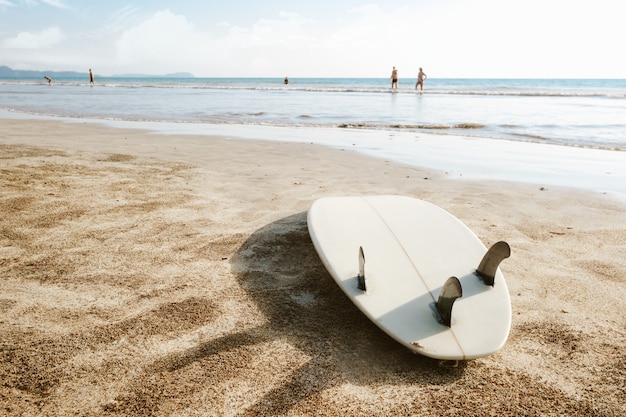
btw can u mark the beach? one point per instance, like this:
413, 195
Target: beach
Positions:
151, 274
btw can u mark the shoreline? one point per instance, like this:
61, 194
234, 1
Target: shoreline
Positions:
463, 157
173, 274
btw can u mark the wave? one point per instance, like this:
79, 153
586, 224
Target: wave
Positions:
517, 88
467, 126
468, 129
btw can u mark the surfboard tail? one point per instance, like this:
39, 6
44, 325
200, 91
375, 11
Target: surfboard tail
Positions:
490, 262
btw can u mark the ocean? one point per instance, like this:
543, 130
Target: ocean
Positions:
582, 113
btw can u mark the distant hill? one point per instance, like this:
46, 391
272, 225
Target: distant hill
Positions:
6, 72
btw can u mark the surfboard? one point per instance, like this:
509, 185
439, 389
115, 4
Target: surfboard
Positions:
416, 271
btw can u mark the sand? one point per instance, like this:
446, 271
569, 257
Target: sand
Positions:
145, 274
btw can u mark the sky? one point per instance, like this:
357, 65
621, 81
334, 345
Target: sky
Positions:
339, 38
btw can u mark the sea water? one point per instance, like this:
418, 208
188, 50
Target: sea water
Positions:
568, 133
589, 113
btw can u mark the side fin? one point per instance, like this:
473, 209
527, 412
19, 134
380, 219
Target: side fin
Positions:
489, 265
361, 277
449, 293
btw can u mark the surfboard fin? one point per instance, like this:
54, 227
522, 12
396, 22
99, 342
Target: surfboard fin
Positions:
361, 277
489, 265
449, 293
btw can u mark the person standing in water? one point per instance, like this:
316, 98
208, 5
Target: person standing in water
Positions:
394, 78
90, 77
421, 76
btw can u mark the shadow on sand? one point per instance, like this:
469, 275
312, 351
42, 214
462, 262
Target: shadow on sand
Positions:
281, 271
303, 308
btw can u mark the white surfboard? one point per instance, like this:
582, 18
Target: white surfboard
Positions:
392, 256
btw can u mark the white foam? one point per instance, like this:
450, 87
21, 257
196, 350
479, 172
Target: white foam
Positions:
461, 157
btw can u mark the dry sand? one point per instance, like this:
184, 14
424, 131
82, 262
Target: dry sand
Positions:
160, 275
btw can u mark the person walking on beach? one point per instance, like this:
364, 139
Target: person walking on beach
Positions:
394, 78
421, 76
90, 77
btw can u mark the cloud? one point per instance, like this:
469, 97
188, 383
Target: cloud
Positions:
285, 31
362, 41
35, 40
169, 42
33, 3
165, 40
56, 3
286, 42
268, 46
122, 19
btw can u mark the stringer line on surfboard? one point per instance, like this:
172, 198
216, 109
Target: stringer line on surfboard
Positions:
412, 239
452, 286
415, 268
451, 289
449, 293
490, 262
